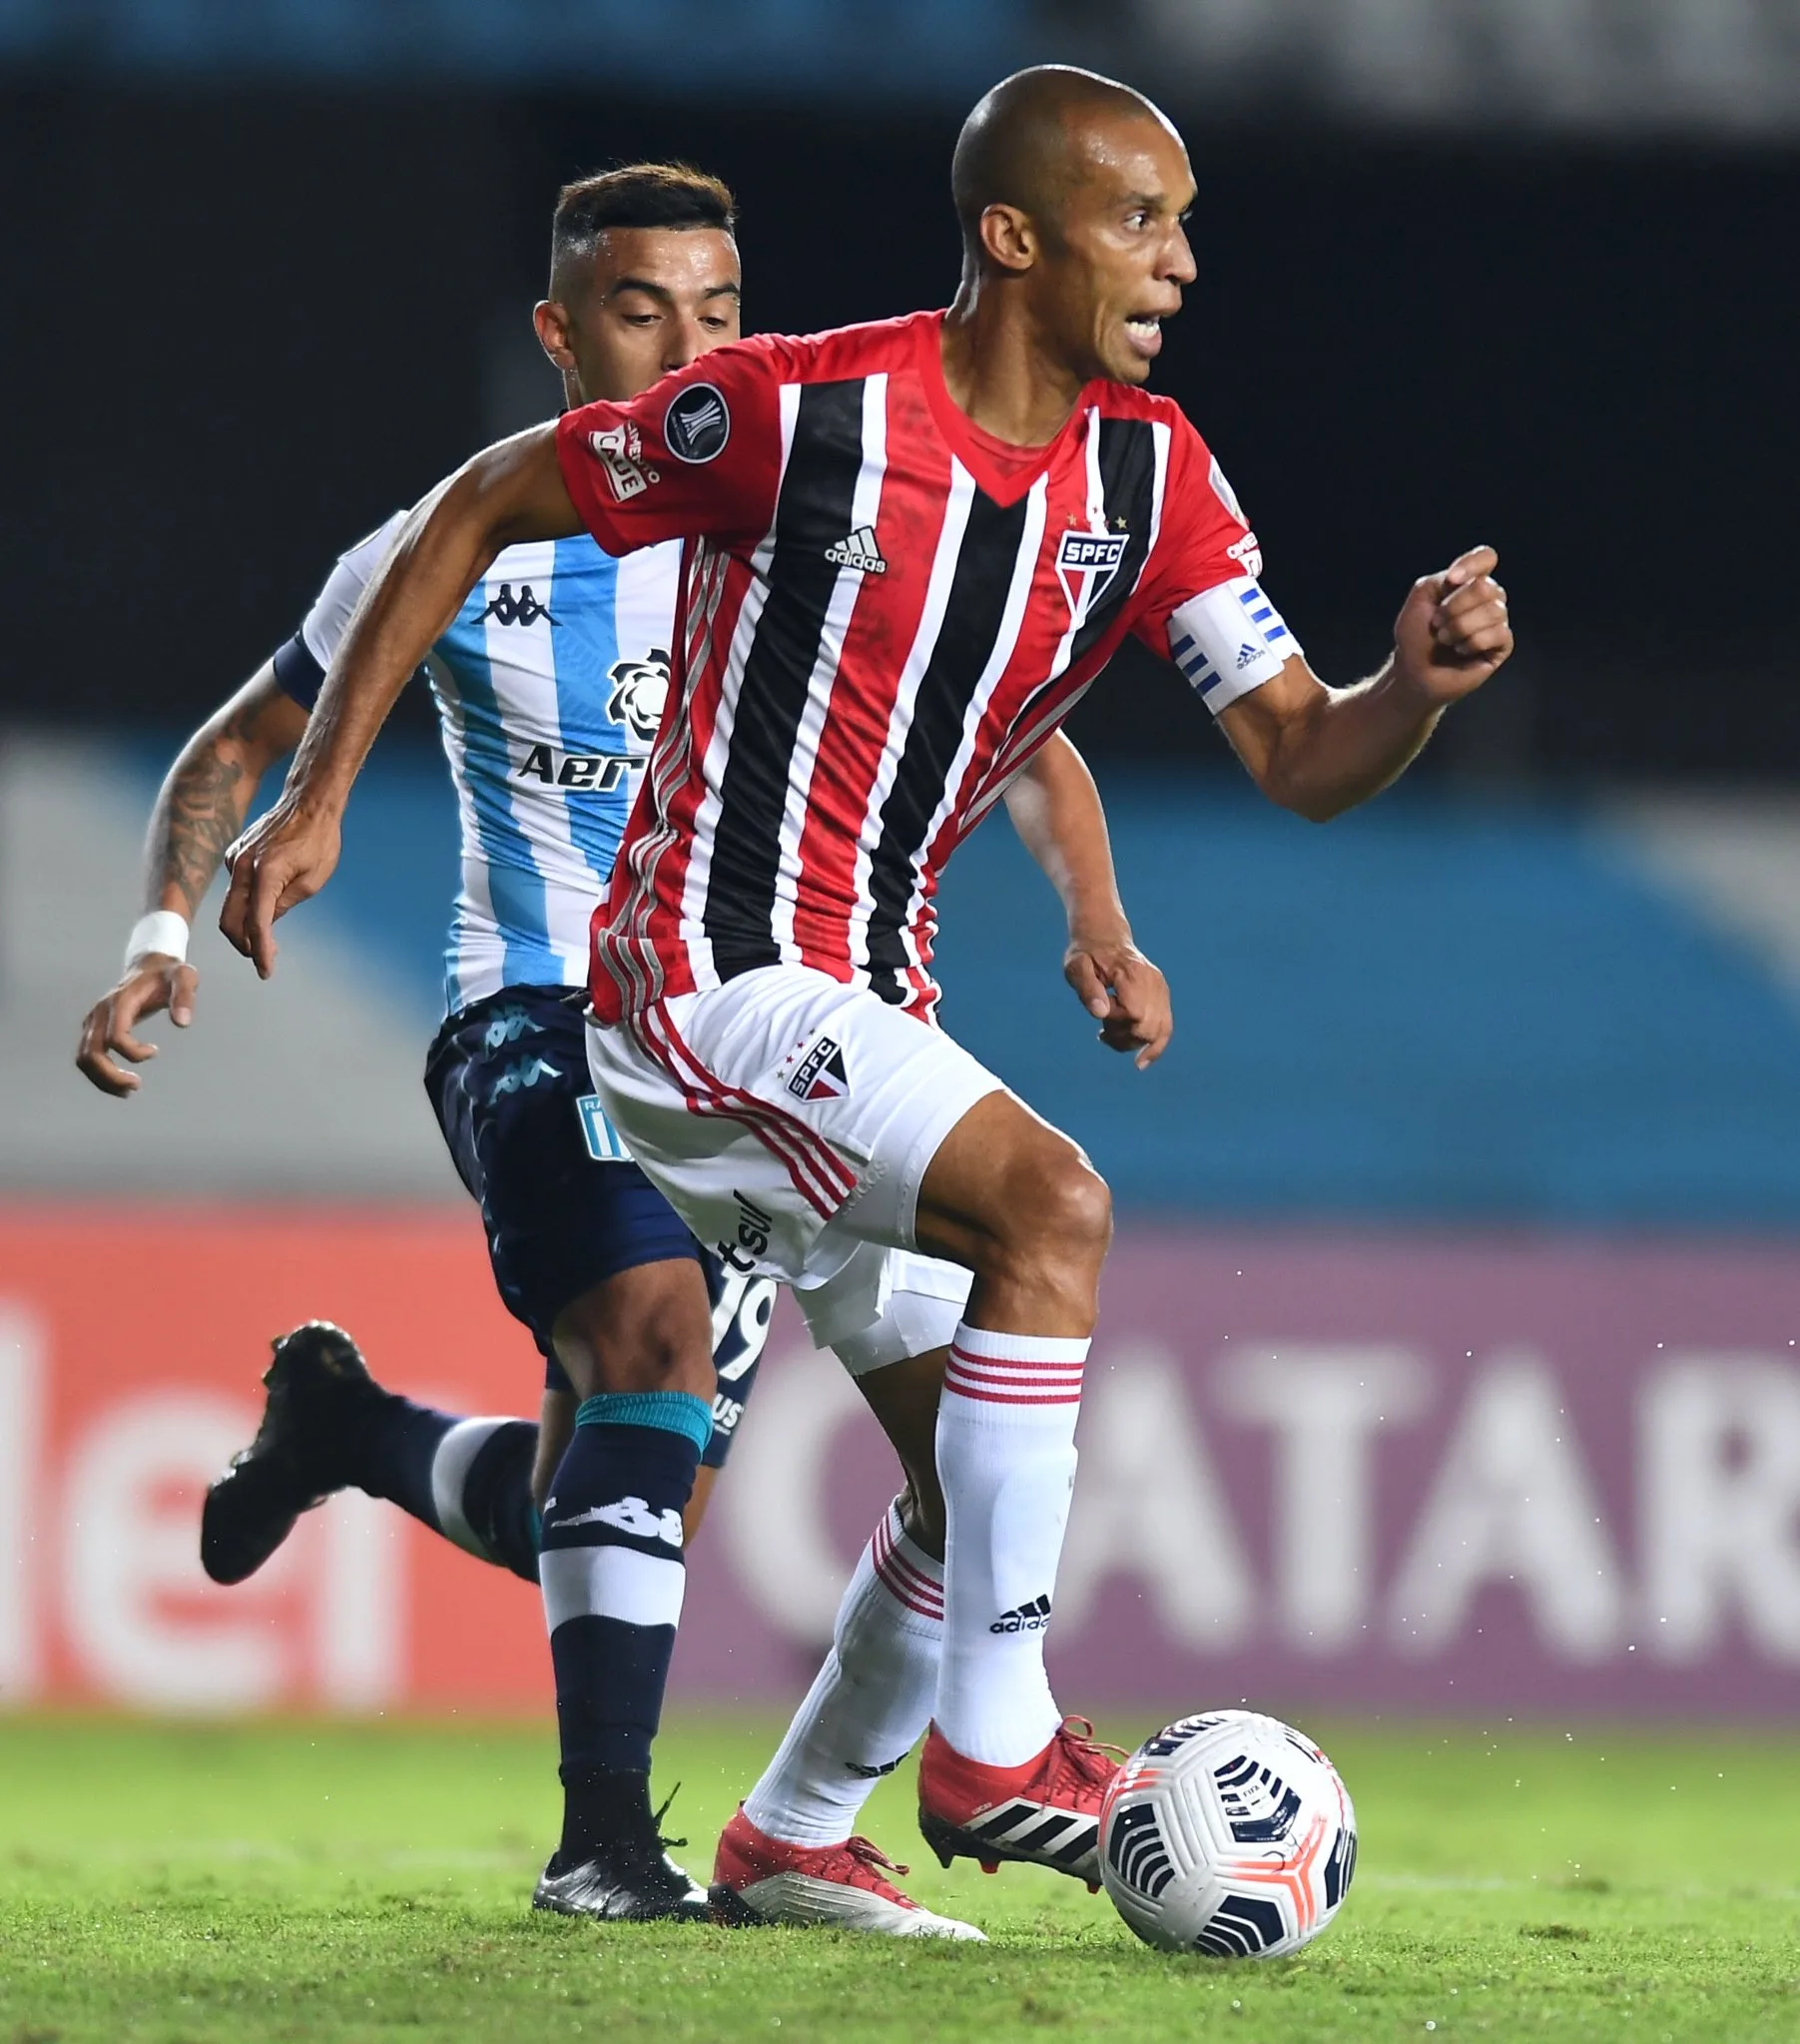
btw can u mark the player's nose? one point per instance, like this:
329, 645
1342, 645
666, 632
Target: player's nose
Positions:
1179, 266
685, 345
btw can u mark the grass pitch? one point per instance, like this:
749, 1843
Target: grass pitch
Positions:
179, 1885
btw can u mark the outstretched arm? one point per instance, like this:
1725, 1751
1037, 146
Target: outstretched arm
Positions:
507, 495
200, 809
1055, 808
1320, 751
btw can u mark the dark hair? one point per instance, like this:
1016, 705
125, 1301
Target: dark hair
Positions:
665, 194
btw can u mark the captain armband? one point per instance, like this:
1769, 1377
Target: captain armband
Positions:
1229, 641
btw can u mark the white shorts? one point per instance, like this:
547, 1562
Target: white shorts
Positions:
884, 1306
789, 1118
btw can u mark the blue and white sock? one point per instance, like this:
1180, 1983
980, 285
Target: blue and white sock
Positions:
468, 1479
613, 1575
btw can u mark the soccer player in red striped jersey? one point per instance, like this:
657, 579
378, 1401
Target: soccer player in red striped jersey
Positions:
912, 548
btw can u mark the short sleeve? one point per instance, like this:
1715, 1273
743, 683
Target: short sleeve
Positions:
301, 663
699, 452
1203, 606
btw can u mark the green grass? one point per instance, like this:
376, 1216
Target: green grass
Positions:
292, 1881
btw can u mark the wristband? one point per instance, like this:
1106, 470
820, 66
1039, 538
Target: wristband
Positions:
161, 931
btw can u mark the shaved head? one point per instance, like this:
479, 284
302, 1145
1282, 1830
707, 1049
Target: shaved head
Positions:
1073, 193
1033, 141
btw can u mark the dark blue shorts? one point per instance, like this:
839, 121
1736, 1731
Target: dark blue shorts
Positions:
510, 1082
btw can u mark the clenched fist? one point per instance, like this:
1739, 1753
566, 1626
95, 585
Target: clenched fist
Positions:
1452, 631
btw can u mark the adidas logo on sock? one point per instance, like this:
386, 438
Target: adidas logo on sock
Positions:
863, 1773
858, 551
1030, 1617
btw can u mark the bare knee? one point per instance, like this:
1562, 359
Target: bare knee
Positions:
1057, 1224
1014, 1200
648, 1330
1074, 1209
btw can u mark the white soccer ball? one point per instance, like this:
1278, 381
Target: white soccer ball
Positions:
1228, 1834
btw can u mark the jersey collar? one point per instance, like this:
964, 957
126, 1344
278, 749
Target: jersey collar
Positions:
954, 423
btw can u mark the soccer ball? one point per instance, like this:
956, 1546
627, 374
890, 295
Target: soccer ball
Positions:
1228, 1834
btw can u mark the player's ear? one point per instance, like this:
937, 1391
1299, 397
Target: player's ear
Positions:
554, 328
1009, 239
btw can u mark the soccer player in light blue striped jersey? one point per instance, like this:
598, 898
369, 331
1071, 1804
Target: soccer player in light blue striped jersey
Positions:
550, 684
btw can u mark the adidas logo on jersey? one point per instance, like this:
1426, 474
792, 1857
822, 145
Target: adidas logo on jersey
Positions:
858, 551
1030, 1617
820, 1074
1246, 654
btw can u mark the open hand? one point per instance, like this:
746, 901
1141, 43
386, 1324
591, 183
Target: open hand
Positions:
1125, 994
151, 983
284, 859
1452, 631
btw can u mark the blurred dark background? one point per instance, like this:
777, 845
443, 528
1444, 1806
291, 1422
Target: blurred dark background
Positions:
247, 312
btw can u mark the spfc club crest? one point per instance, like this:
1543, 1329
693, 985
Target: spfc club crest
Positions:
1086, 563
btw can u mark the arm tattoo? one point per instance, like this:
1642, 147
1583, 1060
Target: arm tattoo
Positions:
200, 811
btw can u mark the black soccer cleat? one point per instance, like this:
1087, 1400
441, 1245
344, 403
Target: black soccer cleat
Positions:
318, 1388
624, 1884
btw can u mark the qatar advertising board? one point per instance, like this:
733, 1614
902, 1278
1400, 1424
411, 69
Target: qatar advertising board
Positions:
1395, 1474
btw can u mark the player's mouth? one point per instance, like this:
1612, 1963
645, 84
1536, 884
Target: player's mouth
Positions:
1144, 332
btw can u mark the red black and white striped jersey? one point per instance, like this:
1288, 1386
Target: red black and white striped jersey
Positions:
879, 626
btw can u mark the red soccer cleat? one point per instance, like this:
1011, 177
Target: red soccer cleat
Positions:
1046, 1814
758, 1880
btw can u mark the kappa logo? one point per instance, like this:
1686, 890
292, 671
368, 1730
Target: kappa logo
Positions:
629, 1515
1085, 565
524, 608
697, 423
518, 1078
640, 694
507, 1026
820, 1074
858, 551
1030, 1617
620, 452
754, 1228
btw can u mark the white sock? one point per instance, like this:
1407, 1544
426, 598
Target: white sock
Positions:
870, 1701
1007, 1460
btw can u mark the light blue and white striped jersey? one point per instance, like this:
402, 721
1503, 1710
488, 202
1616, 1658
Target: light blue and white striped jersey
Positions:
549, 689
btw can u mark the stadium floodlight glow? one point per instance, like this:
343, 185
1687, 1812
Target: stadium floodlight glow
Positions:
1229, 1833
